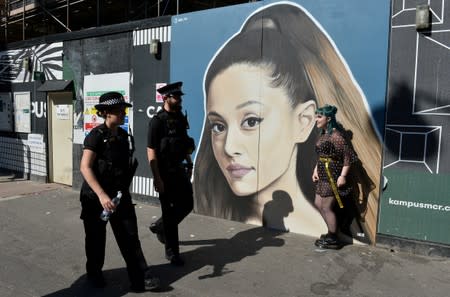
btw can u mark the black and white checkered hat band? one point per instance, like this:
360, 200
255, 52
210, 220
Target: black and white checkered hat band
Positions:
113, 101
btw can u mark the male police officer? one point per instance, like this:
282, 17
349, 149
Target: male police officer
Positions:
168, 150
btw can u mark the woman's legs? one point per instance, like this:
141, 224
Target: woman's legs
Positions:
126, 233
325, 206
95, 241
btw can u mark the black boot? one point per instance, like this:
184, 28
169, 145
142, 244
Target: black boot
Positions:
96, 280
329, 241
158, 229
174, 258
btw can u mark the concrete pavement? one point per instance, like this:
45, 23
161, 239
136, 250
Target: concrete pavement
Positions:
42, 254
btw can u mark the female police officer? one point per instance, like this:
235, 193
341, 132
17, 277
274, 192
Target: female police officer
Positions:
106, 168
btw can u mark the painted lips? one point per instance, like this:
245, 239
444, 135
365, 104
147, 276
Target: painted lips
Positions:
238, 171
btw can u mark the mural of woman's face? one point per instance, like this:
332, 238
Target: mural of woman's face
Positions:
252, 130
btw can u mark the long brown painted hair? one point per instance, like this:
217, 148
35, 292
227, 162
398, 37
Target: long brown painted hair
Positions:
305, 63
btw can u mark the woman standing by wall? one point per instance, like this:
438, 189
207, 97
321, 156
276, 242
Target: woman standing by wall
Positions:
261, 91
335, 156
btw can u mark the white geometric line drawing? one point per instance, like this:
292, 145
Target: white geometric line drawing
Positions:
428, 111
437, 42
439, 108
408, 13
424, 132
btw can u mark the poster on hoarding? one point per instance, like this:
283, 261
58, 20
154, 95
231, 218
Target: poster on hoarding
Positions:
94, 87
36, 143
158, 96
22, 112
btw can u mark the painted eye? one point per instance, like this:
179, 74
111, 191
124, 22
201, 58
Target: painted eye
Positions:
251, 122
217, 128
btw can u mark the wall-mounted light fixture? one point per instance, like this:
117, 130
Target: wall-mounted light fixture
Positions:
423, 17
26, 63
155, 46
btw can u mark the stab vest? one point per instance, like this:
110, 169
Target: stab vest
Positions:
112, 164
175, 142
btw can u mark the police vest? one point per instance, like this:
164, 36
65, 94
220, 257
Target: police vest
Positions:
175, 142
113, 163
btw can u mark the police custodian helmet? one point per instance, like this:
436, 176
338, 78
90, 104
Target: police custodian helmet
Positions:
111, 99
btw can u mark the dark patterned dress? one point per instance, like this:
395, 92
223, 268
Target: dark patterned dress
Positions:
340, 153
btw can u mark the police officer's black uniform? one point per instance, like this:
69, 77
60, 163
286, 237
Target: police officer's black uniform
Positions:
167, 135
112, 168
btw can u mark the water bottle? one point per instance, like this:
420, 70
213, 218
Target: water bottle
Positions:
106, 213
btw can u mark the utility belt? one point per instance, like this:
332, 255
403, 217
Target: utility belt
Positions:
176, 168
171, 163
326, 161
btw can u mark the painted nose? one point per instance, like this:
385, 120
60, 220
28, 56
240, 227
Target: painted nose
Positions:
233, 143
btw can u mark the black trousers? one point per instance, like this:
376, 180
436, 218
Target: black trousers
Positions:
176, 203
126, 233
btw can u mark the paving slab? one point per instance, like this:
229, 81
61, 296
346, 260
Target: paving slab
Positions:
26, 187
42, 254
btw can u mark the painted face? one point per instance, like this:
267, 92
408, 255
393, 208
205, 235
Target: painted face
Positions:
321, 121
251, 131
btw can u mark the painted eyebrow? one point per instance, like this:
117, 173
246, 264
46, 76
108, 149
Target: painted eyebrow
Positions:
250, 102
242, 105
213, 113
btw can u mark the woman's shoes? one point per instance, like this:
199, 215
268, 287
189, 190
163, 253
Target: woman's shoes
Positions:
329, 241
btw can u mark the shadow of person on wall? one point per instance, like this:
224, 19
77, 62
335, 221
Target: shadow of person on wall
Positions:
351, 216
355, 204
276, 210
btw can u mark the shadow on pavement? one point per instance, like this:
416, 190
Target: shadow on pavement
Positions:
116, 285
217, 253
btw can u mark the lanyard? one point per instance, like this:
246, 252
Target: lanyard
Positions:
327, 161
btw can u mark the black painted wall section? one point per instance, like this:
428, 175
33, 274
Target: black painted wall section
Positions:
147, 71
111, 54
97, 55
418, 92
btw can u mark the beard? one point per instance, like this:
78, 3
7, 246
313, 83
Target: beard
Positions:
175, 107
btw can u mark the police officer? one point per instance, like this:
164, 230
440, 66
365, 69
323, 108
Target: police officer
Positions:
169, 151
107, 167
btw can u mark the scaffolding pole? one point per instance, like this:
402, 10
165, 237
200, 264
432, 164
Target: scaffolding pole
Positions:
23, 21
6, 21
53, 16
